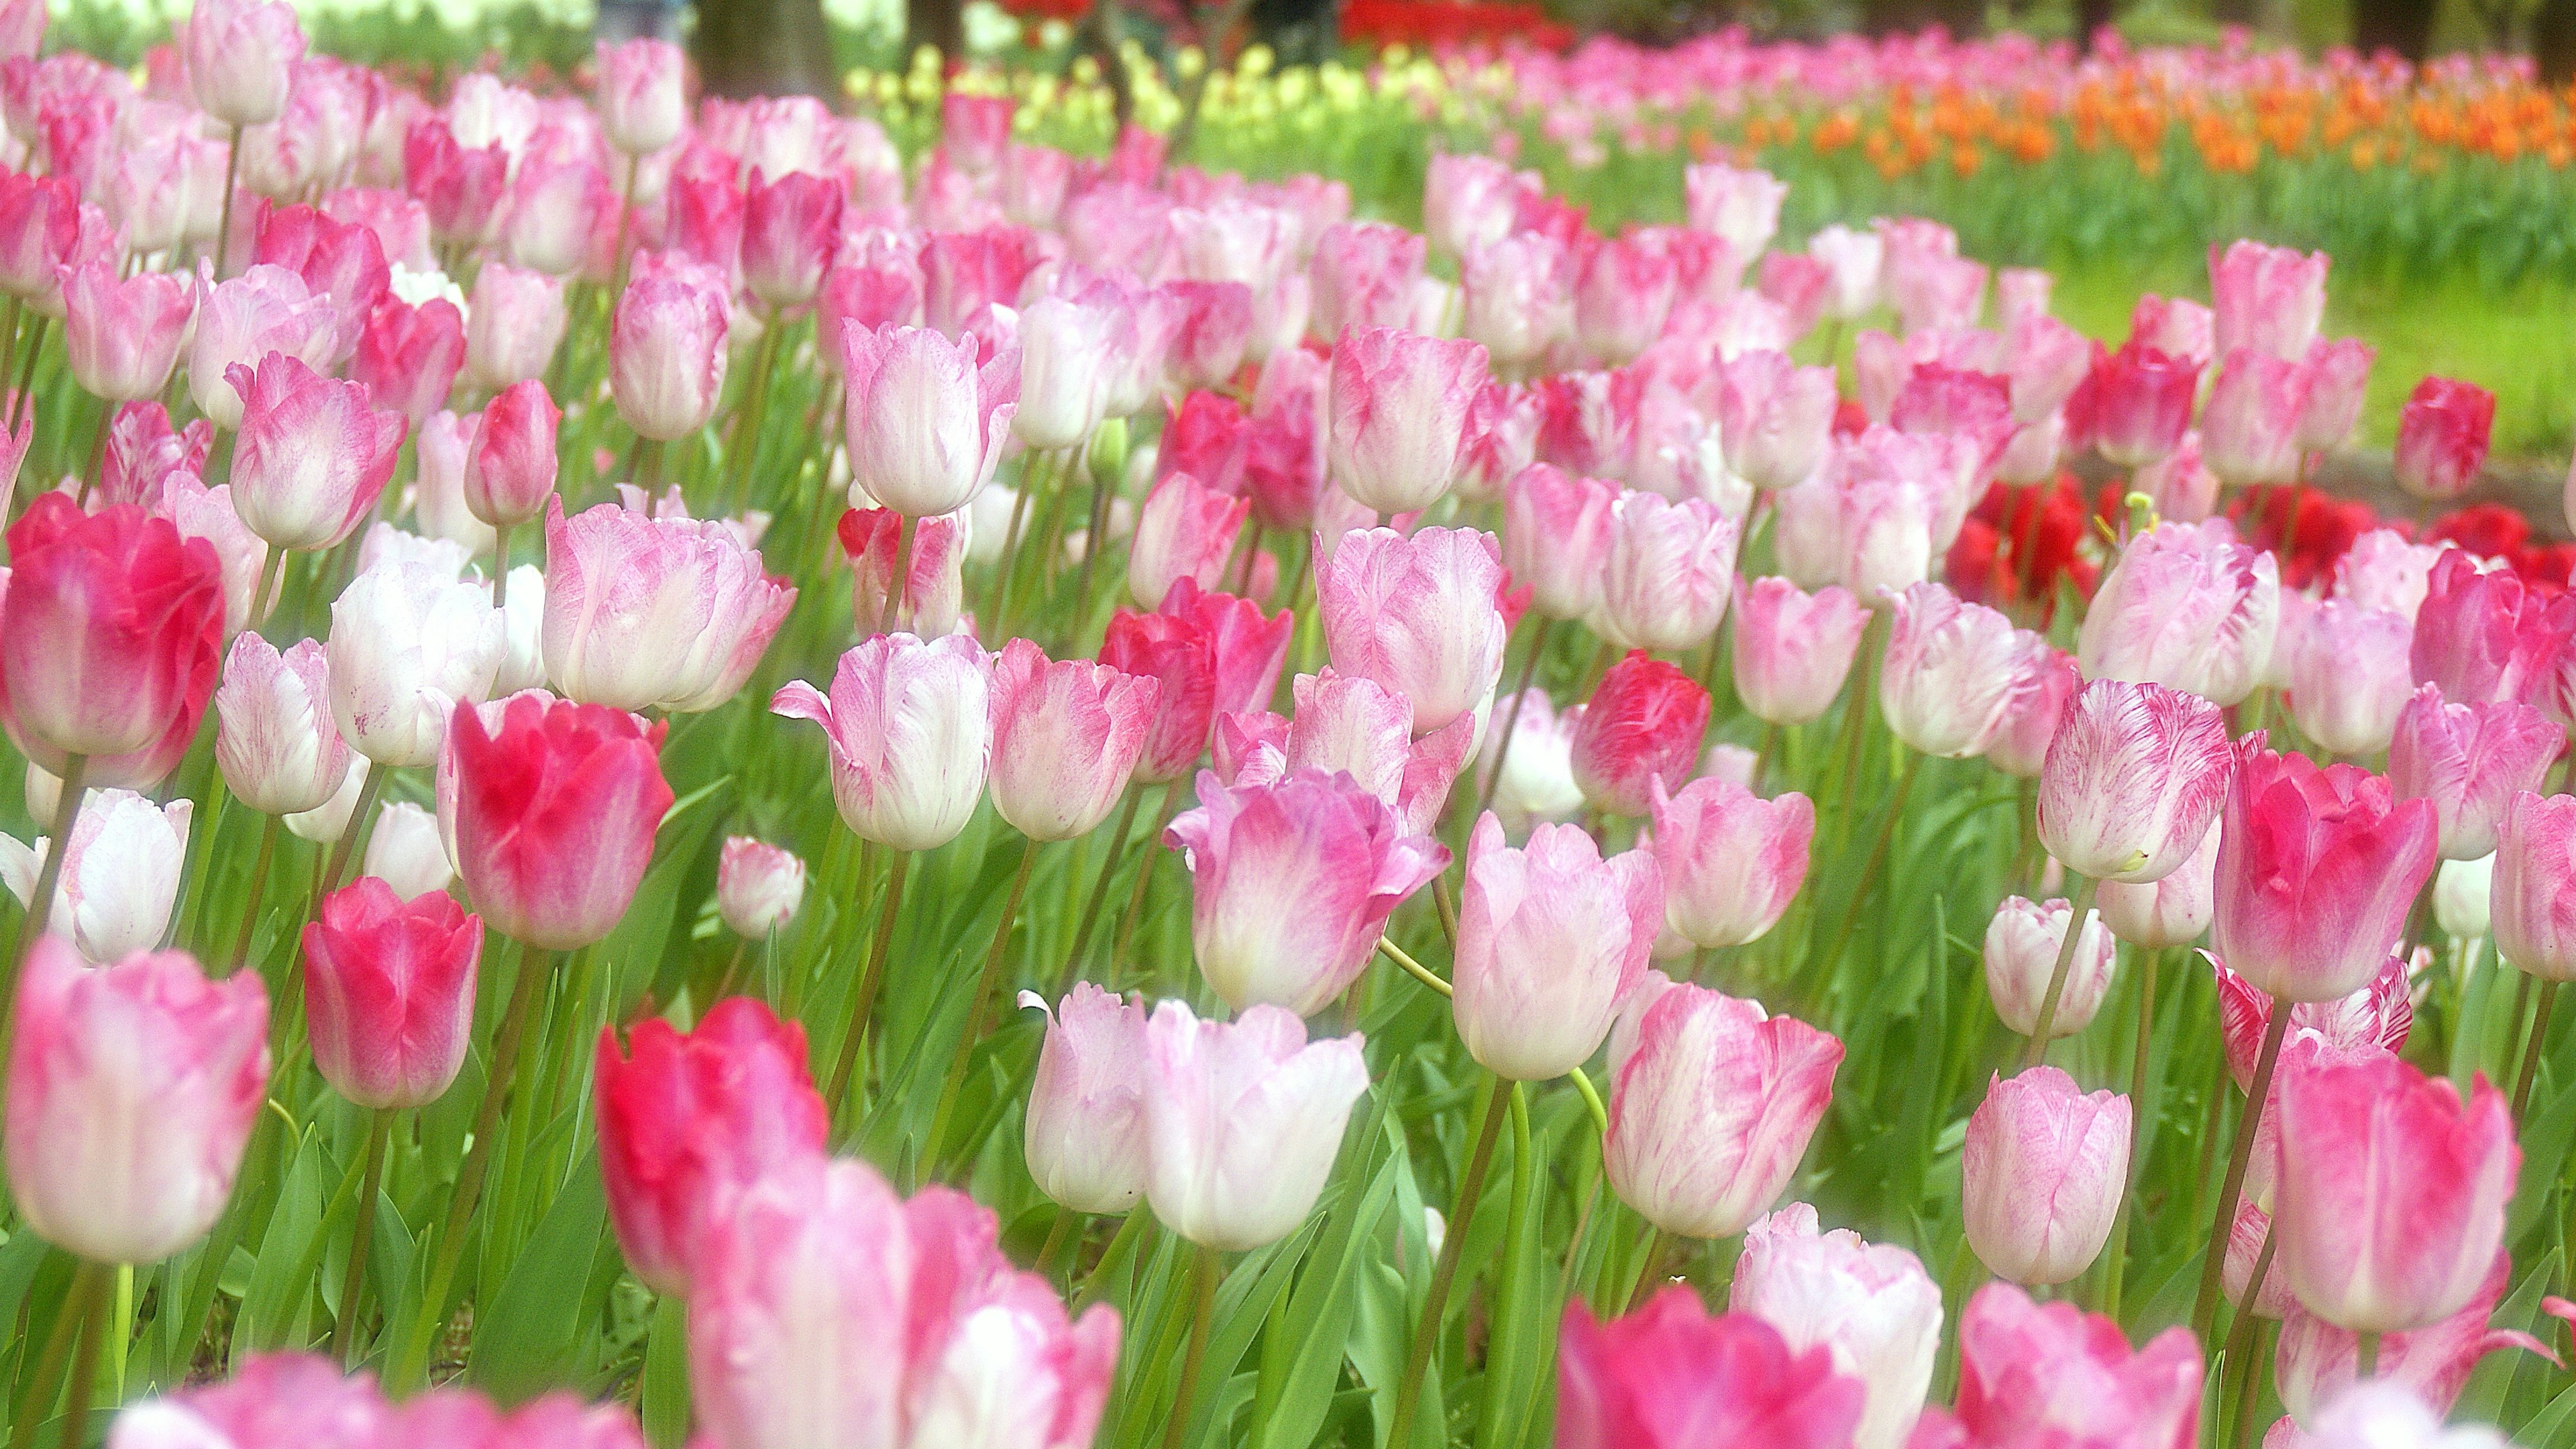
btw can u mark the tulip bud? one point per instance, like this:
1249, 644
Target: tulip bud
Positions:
908, 726
689, 1123
1556, 538
2392, 1192
1712, 1108
1066, 738
2134, 407
553, 816
1668, 1376
390, 983
643, 101
1640, 730
1417, 615
516, 322
2317, 870
2463, 892
2469, 760
510, 469
1670, 569
121, 335
2349, 677
1775, 418
280, 752
2338, 374
120, 874
2171, 910
313, 455
240, 321
406, 852
758, 886
2535, 879
241, 59
2249, 427
1243, 1121
1069, 347
1085, 1142
1950, 673
2442, 437
667, 347
2022, 946
132, 1091
934, 591
925, 425
1186, 530
1176, 653
644, 611
2043, 1172
408, 643
1870, 1304
2265, 297
1398, 405
1792, 650
1517, 296
1551, 937
1732, 861
2133, 779
791, 227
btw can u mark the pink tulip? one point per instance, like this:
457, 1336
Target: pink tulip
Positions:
667, 347
925, 424
654, 612
2134, 406
2532, 899
510, 469
1623, 291
266, 309
1173, 650
120, 873
1243, 1120
2267, 298
2249, 428
1732, 861
2485, 636
2425, 1369
2043, 1171
2050, 1373
1641, 729
409, 640
829, 1311
514, 325
1066, 737
2134, 778
2442, 437
1363, 275
143, 453
2171, 910
2022, 945
1871, 1305
560, 199
642, 99
1556, 538
1775, 418
1742, 206
43, 228
390, 984
1518, 297
120, 337
2317, 870
1398, 404
2051, 680
1711, 1110
1417, 616
553, 816
408, 356
2385, 570
313, 456
874, 285
1320, 839
132, 1091
1792, 650
340, 260
1085, 1136
241, 59
1551, 937
1668, 1376
1470, 200
908, 726
934, 589
1250, 649
1669, 571
459, 187
2392, 1192
2350, 677
791, 229
2372, 1021
2338, 375
1185, 530
1352, 726
1950, 673
2188, 607
1213, 326
280, 752
758, 886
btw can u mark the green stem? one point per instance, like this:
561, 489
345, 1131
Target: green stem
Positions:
49, 876
2079, 908
258, 887
355, 831
863, 1004
2365, 1356
1100, 887
90, 1290
2204, 1309
353, 1284
224, 226
1825, 964
2531, 1052
1408, 1390
755, 408
986, 986
1415, 969
1066, 1220
1126, 1241
500, 567
1144, 879
1205, 1269
2241, 1348
80, 1303
2118, 1255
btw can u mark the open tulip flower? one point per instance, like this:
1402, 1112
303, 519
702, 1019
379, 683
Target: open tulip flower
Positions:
1002, 764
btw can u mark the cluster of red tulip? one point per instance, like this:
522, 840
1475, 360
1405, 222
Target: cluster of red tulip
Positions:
1167, 420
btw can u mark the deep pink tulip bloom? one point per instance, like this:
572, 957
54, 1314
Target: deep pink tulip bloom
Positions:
344, 261
1668, 1376
390, 987
1417, 615
2188, 607
241, 57
1066, 738
2486, 636
2532, 899
1085, 1140
2134, 406
109, 637
1711, 1110
408, 356
510, 468
2442, 437
2019, 1362
2267, 298
1668, 572
459, 187
642, 98
1641, 729
1176, 652
1320, 839
2042, 1173
279, 749
553, 816
1551, 938
667, 347
1251, 648
1398, 407
132, 1090
909, 725
1732, 861
314, 454
1792, 650
40, 232
1556, 537
121, 336
2317, 869
514, 325
925, 423
2392, 1194
2373, 1020
2133, 780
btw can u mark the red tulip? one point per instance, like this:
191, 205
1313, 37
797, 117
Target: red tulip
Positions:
510, 469
1175, 650
554, 816
390, 987
1642, 727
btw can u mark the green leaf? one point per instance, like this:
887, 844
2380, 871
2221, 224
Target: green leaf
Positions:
2484, 1399
665, 1406
282, 1280
526, 1338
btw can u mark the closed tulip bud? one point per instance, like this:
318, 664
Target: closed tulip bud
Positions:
2264, 297
2019, 1359
1244, 1119
1551, 937
1668, 1376
240, 321
654, 611
554, 816
241, 59
1417, 615
516, 322
1712, 1109
2051, 680
1362, 274
1732, 861
1174, 651
2134, 407
2442, 437
909, 731
2133, 779
1321, 839
791, 227
121, 335
925, 424
2317, 869
2469, 760
2249, 427
1186, 530
758, 886
390, 983
1066, 738
1069, 348
1398, 406
558, 200
2339, 372
2171, 910
667, 347
313, 457
510, 469
109, 636
1792, 650
2350, 678
1775, 417
405, 851
276, 743
120, 874
643, 101
2022, 945
1086, 1141
2463, 891
689, 1122
2188, 607
1950, 673
2042, 1175
1556, 538
2392, 1193
408, 643
1469, 200
2533, 895
1641, 729
1670, 569
1870, 1305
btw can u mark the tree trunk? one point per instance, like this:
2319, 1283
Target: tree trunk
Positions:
1960, 17
2553, 41
749, 48
2091, 16
2404, 26
940, 23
